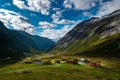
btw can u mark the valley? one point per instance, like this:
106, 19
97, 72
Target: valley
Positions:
25, 56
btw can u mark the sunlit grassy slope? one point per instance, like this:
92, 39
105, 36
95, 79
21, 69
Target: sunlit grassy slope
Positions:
94, 47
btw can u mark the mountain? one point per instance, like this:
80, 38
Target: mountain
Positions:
34, 41
15, 43
93, 37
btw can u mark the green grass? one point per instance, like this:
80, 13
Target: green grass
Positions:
94, 47
20, 71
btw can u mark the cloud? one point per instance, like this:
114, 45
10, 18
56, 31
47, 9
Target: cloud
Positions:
56, 9
16, 20
46, 25
20, 4
56, 18
55, 34
42, 6
108, 7
79, 4
64, 21
88, 14
67, 4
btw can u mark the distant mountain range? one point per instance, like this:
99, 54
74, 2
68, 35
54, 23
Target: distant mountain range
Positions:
93, 37
15, 43
96, 37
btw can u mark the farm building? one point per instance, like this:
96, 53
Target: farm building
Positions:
38, 62
75, 61
83, 61
58, 61
98, 63
47, 62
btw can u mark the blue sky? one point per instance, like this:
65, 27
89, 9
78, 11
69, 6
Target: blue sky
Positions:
52, 18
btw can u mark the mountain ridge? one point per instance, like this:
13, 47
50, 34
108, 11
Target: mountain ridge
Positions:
83, 36
13, 42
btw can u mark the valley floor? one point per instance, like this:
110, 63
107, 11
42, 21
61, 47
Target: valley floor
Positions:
22, 71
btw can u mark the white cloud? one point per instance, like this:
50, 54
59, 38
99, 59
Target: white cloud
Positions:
67, 4
17, 21
79, 4
56, 9
108, 7
46, 25
55, 34
56, 18
88, 14
42, 6
64, 21
20, 4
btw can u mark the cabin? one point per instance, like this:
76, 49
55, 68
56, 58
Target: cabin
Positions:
91, 64
82, 61
33, 60
38, 62
69, 62
97, 64
57, 61
63, 61
75, 61
47, 62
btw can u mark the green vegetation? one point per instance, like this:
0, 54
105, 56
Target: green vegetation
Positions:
94, 47
21, 71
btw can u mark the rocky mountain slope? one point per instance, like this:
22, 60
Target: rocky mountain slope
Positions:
96, 35
15, 43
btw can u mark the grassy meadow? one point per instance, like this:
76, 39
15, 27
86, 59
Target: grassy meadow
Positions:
21, 71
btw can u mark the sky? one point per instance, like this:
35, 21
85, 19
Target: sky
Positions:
52, 18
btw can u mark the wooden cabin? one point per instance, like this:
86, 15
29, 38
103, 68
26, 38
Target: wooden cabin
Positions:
98, 63
69, 62
38, 62
47, 62
75, 61
82, 61
57, 61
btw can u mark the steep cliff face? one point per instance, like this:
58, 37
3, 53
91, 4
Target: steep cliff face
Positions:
103, 27
96, 36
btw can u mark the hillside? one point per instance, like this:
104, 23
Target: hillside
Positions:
93, 37
14, 43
